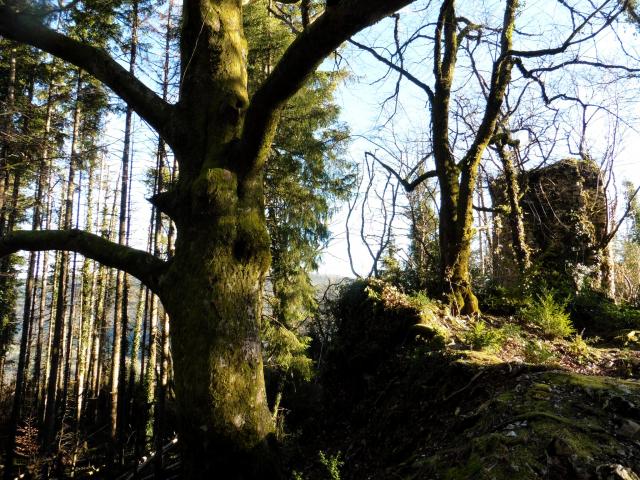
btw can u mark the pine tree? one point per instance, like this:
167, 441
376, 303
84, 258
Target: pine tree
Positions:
305, 176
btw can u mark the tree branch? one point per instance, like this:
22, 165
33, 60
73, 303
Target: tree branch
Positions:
501, 209
25, 28
408, 186
608, 237
402, 71
142, 265
303, 56
576, 61
571, 40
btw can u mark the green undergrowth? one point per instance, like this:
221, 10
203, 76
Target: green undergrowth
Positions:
549, 315
492, 398
561, 312
600, 316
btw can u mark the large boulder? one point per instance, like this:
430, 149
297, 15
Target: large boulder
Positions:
373, 319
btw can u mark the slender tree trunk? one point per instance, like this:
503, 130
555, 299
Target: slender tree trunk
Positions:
162, 380
152, 360
118, 373
58, 335
37, 362
608, 272
134, 374
22, 369
55, 352
96, 343
144, 346
485, 221
71, 324
87, 322
7, 134
117, 341
6, 140
28, 382
518, 235
52, 319
7, 273
134, 371
107, 301
44, 182
481, 232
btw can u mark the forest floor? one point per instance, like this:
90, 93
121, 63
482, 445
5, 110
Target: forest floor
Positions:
497, 402
405, 390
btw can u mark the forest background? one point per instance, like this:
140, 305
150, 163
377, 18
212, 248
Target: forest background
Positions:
68, 137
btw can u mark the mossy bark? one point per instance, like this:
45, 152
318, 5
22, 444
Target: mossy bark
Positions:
457, 179
455, 229
213, 287
222, 255
521, 252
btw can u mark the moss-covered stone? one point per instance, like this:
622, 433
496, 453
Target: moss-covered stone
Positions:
478, 358
374, 321
551, 425
463, 415
436, 338
564, 216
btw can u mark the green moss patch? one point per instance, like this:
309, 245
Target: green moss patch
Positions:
467, 414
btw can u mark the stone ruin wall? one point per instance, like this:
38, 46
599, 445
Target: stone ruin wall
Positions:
565, 219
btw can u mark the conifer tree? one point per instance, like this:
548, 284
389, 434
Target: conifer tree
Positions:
305, 176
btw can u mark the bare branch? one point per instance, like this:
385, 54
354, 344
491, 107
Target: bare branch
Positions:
587, 63
25, 28
571, 39
351, 209
499, 209
408, 186
500, 78
142, 265
608, 237
402, 71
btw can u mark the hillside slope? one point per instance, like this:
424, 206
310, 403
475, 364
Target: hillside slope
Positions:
407, 406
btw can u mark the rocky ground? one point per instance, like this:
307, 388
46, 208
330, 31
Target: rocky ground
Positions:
451, 400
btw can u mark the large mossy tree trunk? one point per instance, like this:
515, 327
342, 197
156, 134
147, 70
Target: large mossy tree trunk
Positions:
455, 235
223, 412
212, 289
212, 286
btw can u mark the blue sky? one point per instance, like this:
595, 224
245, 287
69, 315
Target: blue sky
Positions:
541, 24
